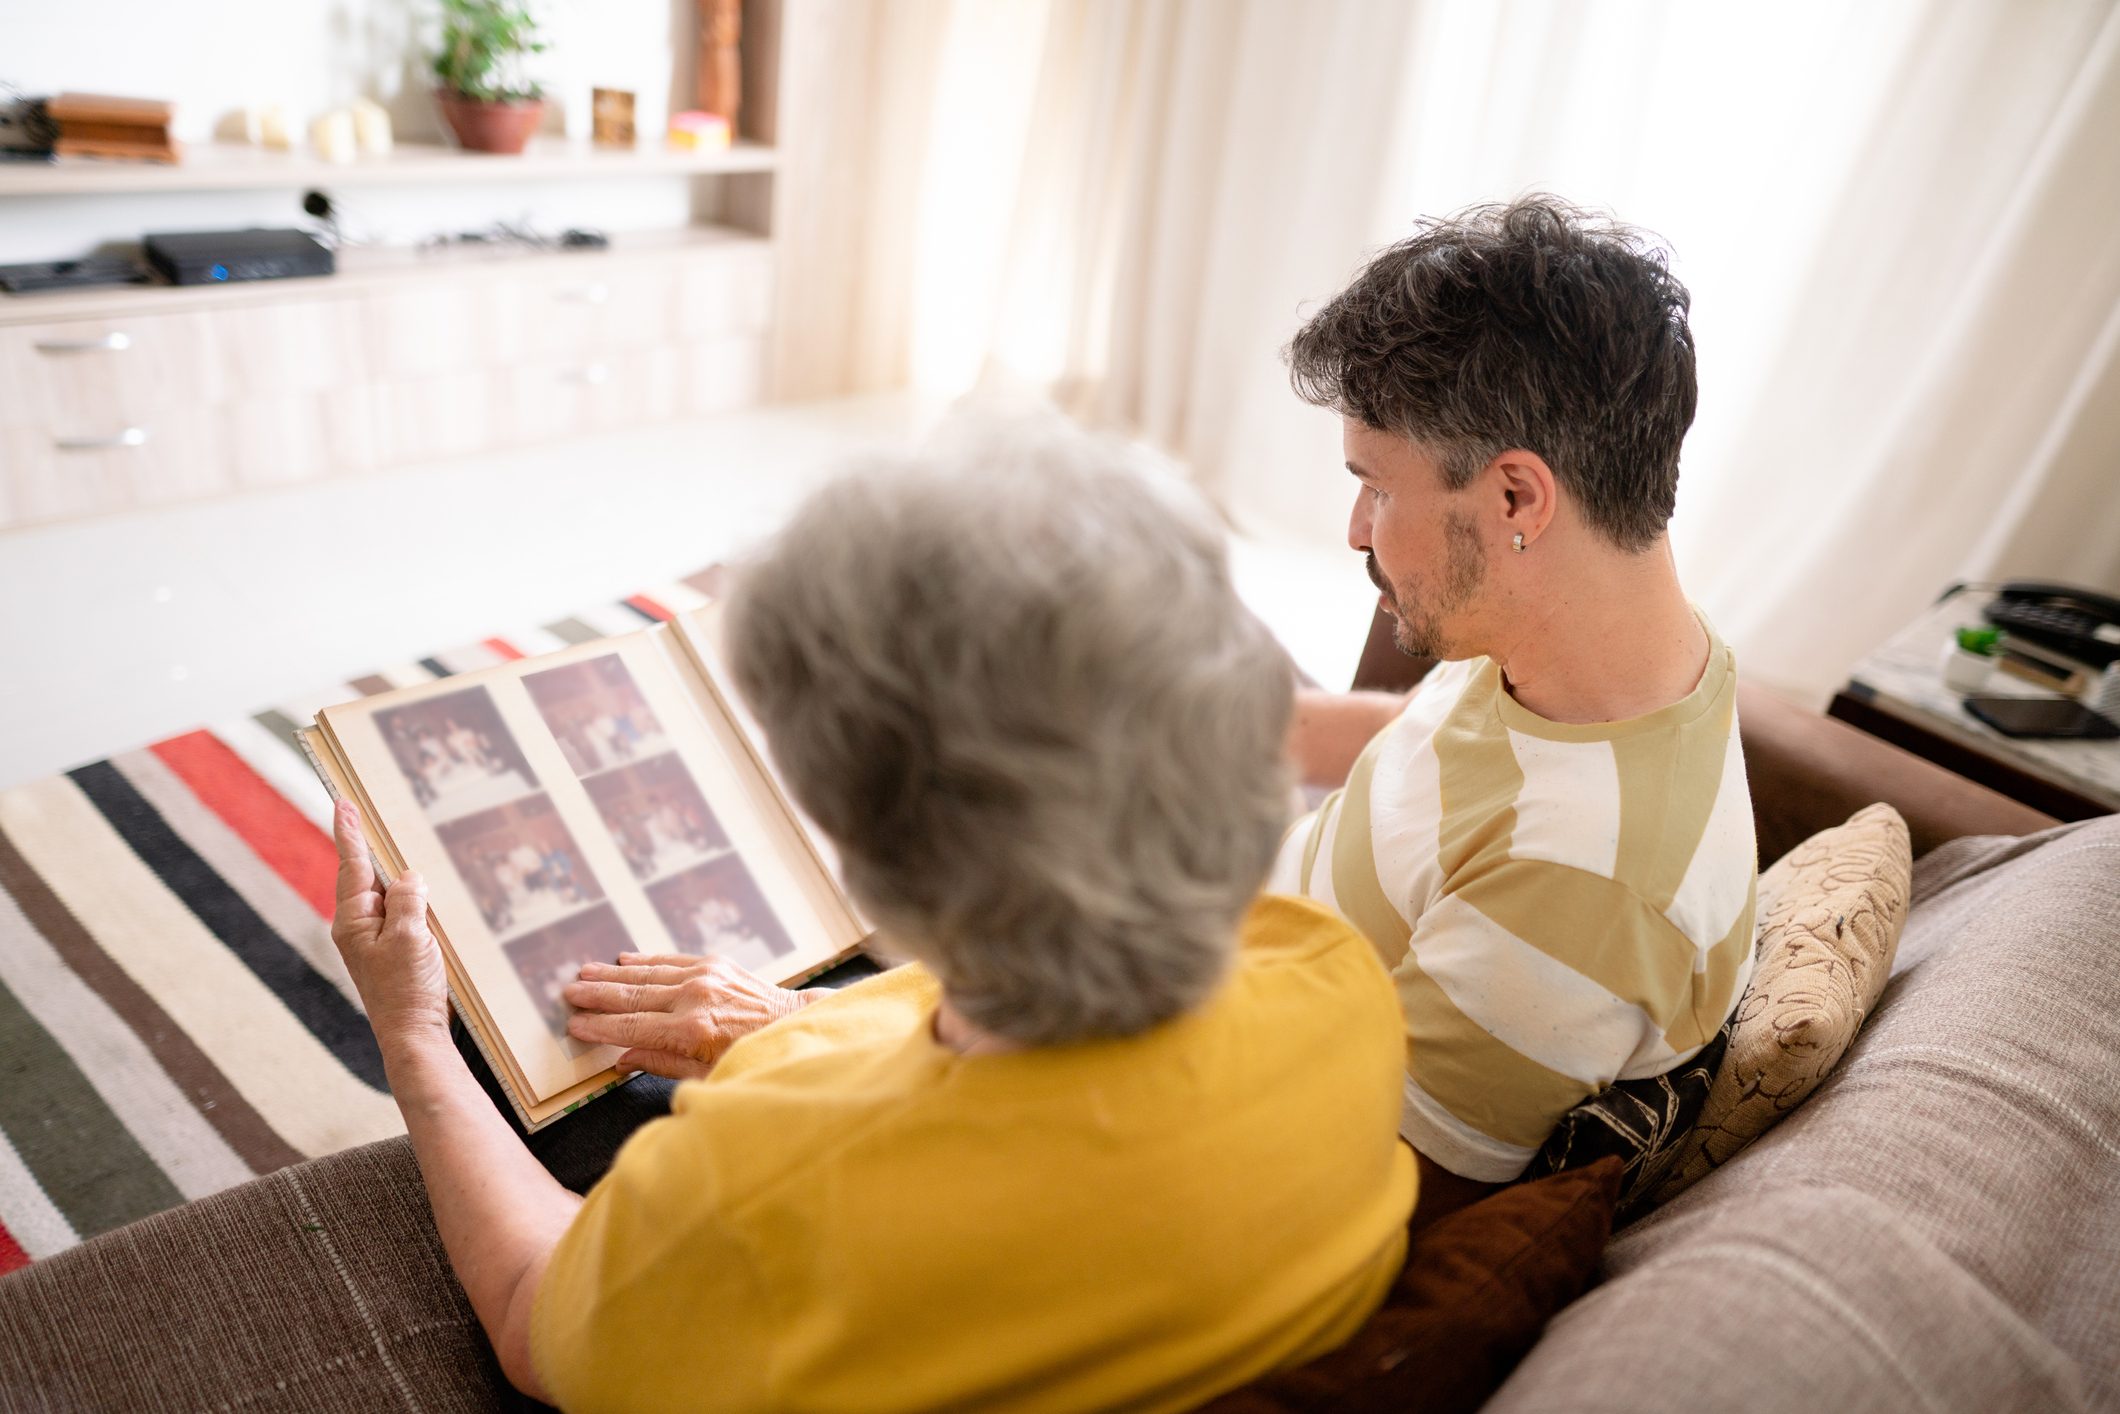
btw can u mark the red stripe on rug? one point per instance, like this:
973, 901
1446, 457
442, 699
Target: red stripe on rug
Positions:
281, 835
507, 650
652, 609
11, 1254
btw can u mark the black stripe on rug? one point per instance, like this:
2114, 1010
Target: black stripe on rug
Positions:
320, 1006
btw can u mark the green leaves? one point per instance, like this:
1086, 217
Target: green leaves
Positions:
482, 49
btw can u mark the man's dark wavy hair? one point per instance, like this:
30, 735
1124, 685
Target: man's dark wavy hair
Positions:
1532, 324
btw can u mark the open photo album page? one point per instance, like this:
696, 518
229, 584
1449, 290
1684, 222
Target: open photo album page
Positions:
573, 807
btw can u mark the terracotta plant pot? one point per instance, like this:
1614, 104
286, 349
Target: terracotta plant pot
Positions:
490, 127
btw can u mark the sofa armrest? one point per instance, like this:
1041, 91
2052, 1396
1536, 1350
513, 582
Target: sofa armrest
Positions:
1808, 771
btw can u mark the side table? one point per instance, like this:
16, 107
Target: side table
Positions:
1896, 692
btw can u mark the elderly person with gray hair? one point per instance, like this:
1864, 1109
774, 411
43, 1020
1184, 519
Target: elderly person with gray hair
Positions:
1118, 1135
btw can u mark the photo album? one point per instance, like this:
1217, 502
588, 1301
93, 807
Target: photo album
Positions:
610, 797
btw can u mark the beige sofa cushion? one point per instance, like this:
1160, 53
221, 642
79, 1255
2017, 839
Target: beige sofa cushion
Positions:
1829, 917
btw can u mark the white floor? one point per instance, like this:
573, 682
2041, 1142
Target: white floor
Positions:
122, 630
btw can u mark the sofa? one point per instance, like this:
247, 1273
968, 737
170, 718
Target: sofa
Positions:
1937, 1228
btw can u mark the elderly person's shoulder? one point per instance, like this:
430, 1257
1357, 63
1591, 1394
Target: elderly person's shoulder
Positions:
846, 1190
1300, 969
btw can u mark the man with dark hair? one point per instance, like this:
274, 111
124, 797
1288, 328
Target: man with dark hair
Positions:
1549, 841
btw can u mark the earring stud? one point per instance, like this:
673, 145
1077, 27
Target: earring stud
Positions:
1519, 542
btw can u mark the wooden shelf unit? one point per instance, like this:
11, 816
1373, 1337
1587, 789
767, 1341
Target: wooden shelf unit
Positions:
121, 398
214, 166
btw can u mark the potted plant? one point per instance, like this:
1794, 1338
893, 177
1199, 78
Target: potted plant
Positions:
1968, 658
485, 96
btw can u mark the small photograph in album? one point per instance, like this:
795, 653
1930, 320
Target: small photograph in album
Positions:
521, 864
456, 753
596, 713
548, 959
717, 908
657, 816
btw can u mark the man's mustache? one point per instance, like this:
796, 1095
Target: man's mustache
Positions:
1376, 576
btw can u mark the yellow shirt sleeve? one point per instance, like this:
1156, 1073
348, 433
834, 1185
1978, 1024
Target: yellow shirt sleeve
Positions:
643, 1251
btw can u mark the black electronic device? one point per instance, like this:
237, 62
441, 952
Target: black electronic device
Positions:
71, 274
2041, 717
214, 257
2077, 623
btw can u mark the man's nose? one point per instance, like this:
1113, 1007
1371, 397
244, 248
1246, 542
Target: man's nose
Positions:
1358, 526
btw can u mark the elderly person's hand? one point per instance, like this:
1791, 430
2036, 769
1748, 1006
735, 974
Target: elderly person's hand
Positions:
677, 1013
390, 954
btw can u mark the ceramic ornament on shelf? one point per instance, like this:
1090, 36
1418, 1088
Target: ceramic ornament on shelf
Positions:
332, 135
371, 127
268, 127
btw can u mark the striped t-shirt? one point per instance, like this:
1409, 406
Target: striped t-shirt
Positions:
1560, 906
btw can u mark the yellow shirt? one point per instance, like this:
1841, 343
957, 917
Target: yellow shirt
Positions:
848, 1215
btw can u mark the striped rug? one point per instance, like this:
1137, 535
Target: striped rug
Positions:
173, 1017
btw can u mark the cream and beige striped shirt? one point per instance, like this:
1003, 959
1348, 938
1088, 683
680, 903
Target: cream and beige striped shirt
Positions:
1560, 906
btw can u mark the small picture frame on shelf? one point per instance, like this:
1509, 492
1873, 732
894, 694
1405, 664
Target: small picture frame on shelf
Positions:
611, 113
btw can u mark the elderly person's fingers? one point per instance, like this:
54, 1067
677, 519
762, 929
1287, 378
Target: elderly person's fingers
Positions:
619, 996
658, 959
661, 976
358, 896
395, 962
654, 1030
668, 1064
405, 910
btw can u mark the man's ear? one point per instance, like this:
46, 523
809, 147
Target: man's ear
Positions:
1529, 495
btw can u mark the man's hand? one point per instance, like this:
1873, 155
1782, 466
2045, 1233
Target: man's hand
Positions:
676, 1013
389, 952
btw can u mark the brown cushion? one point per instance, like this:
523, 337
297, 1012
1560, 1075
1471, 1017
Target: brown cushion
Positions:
1829, 918
1477, 1288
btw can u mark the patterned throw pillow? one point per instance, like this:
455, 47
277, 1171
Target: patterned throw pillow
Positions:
1829, 917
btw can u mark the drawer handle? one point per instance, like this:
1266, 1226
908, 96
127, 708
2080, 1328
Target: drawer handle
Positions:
114, 342
584, 294
130, 437
593, 374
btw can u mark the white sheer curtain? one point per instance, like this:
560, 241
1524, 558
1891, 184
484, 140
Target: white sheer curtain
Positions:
1897, 220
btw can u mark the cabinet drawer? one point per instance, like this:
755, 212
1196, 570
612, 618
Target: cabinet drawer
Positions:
600, 309
289, 346
576, 396
79, 375
436, 326
720, 375
726, 290
451, 414
300, 436
171, 455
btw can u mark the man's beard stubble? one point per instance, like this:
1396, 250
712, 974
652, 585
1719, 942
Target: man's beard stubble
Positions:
1417, 628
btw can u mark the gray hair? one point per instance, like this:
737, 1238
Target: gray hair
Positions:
1012, 681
